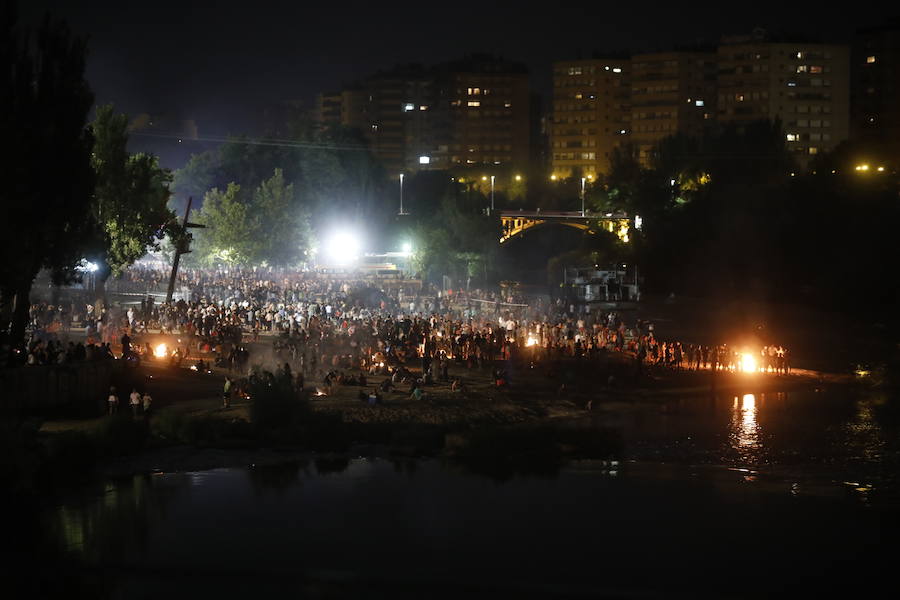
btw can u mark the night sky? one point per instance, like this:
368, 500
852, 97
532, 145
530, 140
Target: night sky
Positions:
220, 63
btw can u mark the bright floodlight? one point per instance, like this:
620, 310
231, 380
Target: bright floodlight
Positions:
407, 248
342, 248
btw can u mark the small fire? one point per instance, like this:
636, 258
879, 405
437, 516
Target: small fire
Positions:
530, 341
161, 351
748, 363
193, 367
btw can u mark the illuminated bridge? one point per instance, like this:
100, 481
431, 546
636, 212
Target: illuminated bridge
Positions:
515, 222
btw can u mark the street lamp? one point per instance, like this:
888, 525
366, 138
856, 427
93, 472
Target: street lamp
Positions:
492, 193
583, 179
401, 196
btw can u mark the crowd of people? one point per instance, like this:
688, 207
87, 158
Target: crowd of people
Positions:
321, 324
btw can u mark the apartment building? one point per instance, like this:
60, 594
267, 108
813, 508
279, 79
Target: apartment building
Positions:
875, 102
805, 85
591, 114
671, 92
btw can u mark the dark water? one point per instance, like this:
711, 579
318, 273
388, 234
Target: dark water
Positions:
763, 496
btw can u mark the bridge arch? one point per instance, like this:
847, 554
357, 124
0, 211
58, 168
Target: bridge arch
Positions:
513, 224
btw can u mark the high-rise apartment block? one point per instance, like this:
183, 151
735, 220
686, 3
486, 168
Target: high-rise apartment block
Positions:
671, 92
806, 86
471, 113
590, 115
875, 104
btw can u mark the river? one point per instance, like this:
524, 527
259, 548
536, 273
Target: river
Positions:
737, 496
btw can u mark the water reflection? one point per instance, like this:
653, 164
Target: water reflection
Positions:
745, 423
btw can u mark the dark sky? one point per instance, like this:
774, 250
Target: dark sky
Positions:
220, 62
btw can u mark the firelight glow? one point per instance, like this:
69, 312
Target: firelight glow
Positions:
748, 363
161, 351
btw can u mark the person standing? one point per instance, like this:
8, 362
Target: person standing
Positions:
147, 401
226, 392
112, 401
135, 401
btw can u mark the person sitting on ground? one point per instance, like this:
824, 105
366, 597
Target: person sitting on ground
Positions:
417, 393
386, 386
374, 398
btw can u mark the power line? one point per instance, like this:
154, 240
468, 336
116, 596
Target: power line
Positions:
254, 142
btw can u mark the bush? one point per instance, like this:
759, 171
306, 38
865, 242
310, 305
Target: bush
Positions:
276, 408
122, 434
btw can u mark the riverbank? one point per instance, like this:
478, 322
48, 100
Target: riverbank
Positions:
505, 430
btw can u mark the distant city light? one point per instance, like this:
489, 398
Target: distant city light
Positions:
553, 178
424, 160
518, 178
638, 222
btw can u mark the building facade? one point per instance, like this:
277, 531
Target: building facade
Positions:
590, 115
671, 92
875, 103
471, 114
806, 86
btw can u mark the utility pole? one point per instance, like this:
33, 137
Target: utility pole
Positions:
183, 247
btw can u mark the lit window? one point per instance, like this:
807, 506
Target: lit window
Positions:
408, 107
816, 69
801, 68
870, 59
473, 103
699, 103
617, 70
424, 160
813, 150
793, 137
423, 107
507, 105
799, 55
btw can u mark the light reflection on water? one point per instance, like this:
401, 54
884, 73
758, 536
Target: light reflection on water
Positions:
745, 423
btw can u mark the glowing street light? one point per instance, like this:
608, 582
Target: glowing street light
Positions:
583, 179
492, 193
518, 178
401, 196
553, 177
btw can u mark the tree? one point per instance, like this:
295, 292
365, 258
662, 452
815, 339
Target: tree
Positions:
48, 180
288, 236
130, 198
231, 236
